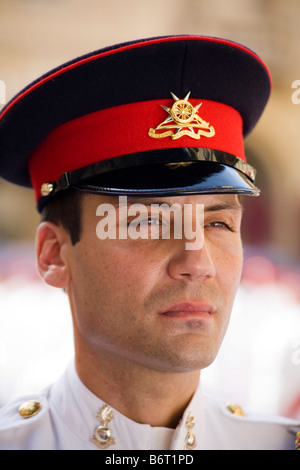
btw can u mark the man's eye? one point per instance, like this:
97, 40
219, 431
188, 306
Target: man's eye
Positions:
153, 221
146, 222
221, 225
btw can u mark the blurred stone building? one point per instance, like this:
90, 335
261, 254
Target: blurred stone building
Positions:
37, 35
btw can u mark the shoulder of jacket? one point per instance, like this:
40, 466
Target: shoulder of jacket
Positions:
260, 422
23, 412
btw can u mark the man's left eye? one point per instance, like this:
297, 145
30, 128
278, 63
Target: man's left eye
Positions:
221, 225
150, 221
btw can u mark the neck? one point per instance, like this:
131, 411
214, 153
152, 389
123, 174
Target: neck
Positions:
145, 396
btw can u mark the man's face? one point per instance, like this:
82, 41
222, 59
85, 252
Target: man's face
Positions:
152, 302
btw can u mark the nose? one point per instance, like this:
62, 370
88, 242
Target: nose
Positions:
191, 265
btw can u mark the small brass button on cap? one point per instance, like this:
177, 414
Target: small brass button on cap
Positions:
235, 409
29, 408
46, 189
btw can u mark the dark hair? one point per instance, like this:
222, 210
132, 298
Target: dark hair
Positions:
65, 209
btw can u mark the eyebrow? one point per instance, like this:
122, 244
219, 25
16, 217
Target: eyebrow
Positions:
224, 206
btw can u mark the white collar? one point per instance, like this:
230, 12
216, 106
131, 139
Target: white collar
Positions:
76, 406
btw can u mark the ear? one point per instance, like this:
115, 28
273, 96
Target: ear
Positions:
50, 250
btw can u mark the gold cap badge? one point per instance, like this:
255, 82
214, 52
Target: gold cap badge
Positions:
182, 120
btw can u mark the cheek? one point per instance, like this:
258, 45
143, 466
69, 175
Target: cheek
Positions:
232, 264
233, 272
229, 264
113, 271
229, 276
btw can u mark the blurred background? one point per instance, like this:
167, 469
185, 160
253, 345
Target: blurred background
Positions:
259, 362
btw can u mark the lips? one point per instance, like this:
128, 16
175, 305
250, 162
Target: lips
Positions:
189, 309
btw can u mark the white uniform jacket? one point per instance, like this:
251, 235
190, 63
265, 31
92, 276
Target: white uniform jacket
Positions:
67, 420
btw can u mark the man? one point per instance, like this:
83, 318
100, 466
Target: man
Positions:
136, 157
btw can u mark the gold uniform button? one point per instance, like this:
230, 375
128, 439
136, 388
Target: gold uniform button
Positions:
235, 409
29, 408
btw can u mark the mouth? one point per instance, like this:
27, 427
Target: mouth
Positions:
190, 311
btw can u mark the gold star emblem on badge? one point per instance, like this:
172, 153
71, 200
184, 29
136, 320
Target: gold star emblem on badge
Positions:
183, 119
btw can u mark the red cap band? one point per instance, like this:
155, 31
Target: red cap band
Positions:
124, 130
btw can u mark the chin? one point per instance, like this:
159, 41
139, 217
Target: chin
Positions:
184, 361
